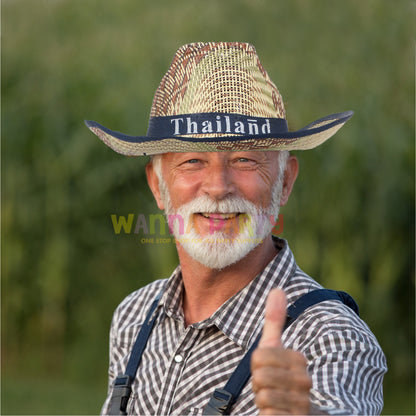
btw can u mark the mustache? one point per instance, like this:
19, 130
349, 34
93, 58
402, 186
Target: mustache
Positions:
228, 205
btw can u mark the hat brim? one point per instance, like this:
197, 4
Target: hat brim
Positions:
306, 138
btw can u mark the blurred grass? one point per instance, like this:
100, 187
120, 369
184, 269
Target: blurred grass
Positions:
51, 395
350, 220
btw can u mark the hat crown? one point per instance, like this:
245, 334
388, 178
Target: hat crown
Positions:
217, 97
225, 77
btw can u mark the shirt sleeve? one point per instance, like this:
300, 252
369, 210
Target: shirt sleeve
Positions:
345, 362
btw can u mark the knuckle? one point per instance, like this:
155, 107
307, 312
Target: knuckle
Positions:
265, 356
269, 377
296, 357
264, 399
302, 381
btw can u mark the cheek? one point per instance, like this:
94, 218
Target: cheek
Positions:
183, 190
261, 197
258, 188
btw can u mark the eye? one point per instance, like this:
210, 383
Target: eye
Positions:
244, 163
192, 163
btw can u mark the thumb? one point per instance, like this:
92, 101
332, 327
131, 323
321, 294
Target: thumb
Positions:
274, 319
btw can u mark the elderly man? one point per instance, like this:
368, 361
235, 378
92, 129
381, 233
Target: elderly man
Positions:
238, 328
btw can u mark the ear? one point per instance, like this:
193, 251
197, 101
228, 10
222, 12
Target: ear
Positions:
291, 173
153, 183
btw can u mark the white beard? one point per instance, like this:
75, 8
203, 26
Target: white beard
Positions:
220, 248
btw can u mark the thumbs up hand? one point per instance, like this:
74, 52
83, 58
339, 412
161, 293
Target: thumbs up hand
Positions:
280, 380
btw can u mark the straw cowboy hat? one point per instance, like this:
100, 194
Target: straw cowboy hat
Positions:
218, 97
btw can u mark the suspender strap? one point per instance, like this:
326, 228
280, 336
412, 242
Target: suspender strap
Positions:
314, 297
120, 396
222, 400
141, 341
122, 384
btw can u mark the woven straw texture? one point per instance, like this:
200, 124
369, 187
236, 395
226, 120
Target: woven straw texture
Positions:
217, 77
228, 78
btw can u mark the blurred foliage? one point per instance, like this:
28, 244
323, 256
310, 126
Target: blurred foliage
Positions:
350, 220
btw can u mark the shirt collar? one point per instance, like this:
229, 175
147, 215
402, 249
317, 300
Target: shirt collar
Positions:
240, 318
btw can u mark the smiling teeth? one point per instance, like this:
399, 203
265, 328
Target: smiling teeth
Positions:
219, 216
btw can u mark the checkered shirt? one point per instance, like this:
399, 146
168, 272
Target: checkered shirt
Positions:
182, 366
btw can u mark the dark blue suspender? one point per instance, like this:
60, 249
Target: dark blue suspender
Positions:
122, 384
223, 399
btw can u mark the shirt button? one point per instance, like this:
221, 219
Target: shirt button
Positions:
178, 358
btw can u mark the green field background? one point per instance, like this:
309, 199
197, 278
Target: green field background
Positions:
349, 222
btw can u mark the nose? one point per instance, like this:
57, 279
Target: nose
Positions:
218, 183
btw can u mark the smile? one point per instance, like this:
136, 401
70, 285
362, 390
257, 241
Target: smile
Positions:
215, 216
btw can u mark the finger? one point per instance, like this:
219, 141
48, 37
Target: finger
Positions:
274, 319
278, 358
287, 402
281, 379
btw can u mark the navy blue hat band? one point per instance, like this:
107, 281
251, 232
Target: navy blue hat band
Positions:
214, 123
